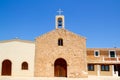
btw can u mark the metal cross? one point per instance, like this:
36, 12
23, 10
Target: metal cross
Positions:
59, 11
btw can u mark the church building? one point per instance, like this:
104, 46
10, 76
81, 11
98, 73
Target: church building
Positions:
58, 53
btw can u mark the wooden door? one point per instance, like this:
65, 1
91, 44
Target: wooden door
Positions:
60, 68
6, 67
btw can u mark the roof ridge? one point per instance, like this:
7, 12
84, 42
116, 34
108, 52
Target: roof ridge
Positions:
19, 40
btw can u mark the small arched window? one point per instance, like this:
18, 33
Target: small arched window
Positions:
60, 42
24, 66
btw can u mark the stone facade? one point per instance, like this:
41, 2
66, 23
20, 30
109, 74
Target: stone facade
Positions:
48, 51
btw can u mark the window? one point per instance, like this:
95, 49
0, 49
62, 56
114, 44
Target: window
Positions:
24, 66
96, 53
104, 67
90, 67
60, 42
112, 54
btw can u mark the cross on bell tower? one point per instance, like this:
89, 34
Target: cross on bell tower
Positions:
59, 20
59, 11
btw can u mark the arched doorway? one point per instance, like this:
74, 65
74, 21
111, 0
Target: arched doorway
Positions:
60, 68
6, 68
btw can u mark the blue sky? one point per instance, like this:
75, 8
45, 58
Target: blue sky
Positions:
97, 20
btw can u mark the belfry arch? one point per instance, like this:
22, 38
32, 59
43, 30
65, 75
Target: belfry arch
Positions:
60, 68
6, 68
60, 21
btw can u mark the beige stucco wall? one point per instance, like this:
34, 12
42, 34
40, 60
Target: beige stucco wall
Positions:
73, 51
17, 52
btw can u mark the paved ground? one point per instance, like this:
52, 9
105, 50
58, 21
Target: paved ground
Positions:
45, 78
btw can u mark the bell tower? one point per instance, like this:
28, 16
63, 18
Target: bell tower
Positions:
59, 20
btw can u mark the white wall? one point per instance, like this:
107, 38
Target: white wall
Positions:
17, 52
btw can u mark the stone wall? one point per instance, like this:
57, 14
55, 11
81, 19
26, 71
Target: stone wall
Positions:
73, 51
